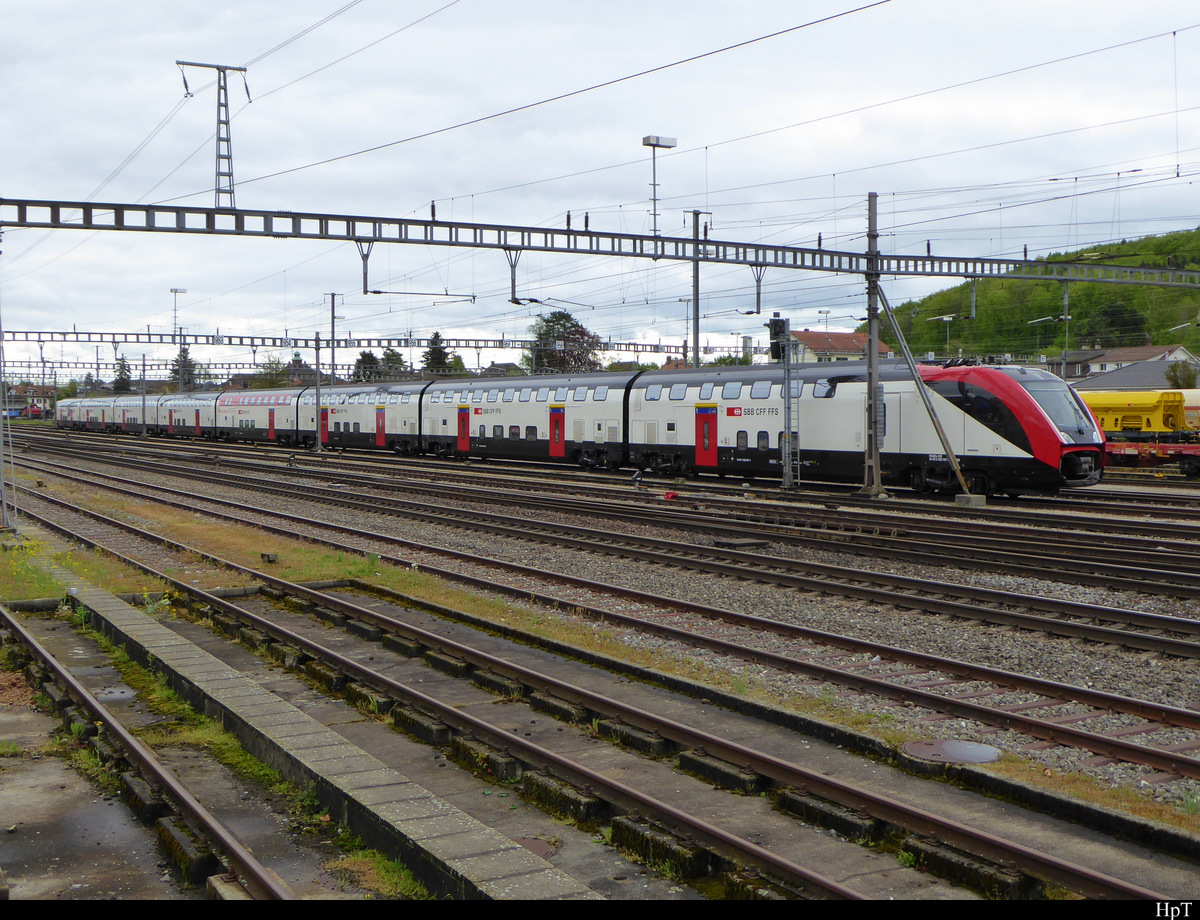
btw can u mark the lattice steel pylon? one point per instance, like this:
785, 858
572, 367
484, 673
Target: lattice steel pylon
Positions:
223, 185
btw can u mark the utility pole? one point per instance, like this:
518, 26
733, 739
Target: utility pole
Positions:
872, 465
223, 186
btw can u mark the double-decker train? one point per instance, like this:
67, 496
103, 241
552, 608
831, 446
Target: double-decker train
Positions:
1013, 429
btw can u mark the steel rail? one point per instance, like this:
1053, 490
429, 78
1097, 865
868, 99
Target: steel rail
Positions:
1087, 881
261, 883
1039, 728
1177, 582
618, 792
911, 593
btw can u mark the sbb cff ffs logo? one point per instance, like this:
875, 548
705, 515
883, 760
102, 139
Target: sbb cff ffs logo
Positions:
733, 410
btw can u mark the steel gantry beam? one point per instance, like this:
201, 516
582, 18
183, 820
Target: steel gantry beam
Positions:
47, 337
87, 215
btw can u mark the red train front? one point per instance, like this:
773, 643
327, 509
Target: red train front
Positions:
1038, 413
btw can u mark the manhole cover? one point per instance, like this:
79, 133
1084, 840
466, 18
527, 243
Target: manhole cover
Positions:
952, 751
539, 848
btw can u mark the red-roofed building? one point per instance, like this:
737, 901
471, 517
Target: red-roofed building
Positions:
835, 346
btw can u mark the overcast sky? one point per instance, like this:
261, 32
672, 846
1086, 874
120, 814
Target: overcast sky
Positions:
984, 128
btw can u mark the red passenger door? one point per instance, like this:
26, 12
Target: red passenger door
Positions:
197, 423
464, 429
323, 424
270, 424
380, 427
706, 436
558, 424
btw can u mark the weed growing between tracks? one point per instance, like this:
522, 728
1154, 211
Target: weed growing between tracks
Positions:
20, 576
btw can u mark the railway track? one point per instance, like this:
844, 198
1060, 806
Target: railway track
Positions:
193, 828
539, 678
1118, 562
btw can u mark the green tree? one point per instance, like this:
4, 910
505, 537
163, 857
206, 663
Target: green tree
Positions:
393, 361
436, 357
183, 369
272, 373
1181, 375
366, 368
561, 344
68, 391
123, 381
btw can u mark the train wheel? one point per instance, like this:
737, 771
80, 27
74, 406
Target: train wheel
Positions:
919, 483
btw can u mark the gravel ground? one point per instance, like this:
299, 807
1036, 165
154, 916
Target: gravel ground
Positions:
1096, 667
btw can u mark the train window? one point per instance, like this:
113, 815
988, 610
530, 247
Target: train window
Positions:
560, 395
497, 431
404, 399
526, 393
761, 389
670, 426
531, 432
824, 389
764, 440
461, 396
445, 422
653, 392
362, 399
356, 428
477, 396
337, 426
743, 440
543, 394
509, 394
514, 432
483, 431
706, 391
434, 397
393, 399
600, 394
493, 395
732, 390
580, 394
707, 428
678, 391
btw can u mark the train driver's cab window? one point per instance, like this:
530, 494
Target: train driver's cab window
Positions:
824, 389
